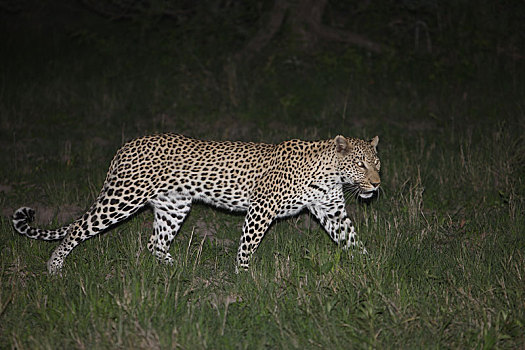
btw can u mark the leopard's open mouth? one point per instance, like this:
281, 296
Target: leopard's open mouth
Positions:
363, 192
366, 194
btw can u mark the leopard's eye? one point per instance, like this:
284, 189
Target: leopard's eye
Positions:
361, 164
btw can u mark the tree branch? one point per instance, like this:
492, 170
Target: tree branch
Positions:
333, 34
265, 33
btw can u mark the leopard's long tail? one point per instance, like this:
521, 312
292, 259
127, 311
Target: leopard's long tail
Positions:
24, 216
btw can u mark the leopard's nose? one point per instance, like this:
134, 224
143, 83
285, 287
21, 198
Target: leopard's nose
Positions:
375, 184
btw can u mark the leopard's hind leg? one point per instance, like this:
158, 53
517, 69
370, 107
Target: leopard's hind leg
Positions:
105, 212
170, 210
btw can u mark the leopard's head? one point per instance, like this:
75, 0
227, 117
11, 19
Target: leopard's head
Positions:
358, 164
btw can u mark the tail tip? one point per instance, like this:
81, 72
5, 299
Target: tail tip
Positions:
24, 214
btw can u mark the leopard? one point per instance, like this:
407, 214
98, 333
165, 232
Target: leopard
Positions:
168, 172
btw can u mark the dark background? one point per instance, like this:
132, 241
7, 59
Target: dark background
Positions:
227, 68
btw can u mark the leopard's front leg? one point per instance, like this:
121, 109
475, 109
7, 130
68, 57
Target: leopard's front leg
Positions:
256, 223
348, 236
332, 215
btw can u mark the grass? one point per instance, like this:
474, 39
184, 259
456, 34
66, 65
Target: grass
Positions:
446, 235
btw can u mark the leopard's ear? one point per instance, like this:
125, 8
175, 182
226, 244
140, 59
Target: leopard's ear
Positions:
374, 142
342, 146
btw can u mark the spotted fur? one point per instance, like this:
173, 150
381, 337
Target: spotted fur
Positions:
169, 172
